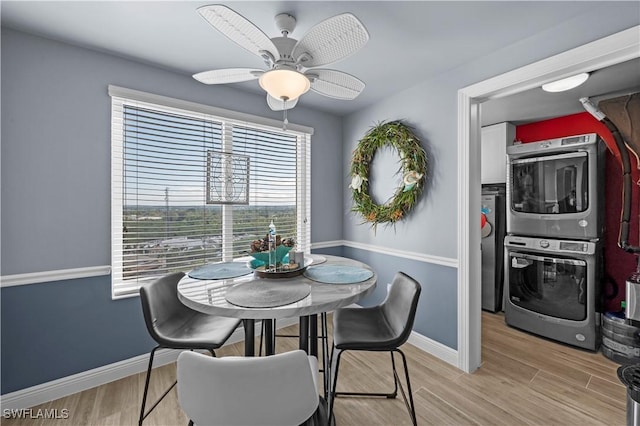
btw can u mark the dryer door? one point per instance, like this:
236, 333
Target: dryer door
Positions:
550, 185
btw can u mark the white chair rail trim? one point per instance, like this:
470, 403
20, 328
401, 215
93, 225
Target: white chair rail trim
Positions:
421, 257
97, 271
57, 275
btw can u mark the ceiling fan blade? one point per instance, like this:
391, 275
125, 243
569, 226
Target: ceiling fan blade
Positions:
331, 40
279, 105
335, 84
227, 75
239, 29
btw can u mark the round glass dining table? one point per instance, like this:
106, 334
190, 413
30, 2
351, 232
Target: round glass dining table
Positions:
328, 283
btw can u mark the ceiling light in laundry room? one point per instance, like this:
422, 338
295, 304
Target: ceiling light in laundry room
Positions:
566, 83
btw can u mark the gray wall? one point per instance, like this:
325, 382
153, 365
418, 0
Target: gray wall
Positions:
431, 108
56, 200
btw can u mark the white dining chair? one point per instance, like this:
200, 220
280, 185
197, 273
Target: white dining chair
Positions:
276, 390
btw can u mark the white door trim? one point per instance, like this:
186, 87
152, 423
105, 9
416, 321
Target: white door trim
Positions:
619, 47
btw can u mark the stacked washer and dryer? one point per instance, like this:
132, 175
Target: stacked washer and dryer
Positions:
552, 251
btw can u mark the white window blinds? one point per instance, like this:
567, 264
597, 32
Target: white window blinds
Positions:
161, 221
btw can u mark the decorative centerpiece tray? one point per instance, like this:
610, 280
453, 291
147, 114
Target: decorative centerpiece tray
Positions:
286, 270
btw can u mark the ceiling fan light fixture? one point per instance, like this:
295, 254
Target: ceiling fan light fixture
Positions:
284, 84
566, 83
293, 65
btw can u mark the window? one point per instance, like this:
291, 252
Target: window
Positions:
193, 184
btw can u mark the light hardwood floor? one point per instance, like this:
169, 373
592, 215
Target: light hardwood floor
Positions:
524, 380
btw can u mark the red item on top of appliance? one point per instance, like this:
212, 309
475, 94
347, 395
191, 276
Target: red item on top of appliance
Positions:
568, 125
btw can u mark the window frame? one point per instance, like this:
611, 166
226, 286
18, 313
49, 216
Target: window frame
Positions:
123, 96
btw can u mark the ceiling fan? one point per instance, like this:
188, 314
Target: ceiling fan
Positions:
291, 63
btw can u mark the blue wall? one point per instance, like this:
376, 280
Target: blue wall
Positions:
57, 329
434, 319
56, 210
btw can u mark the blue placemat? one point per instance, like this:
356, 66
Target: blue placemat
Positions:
338, 274
220, 271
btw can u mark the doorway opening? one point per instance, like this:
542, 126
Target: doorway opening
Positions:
617, 48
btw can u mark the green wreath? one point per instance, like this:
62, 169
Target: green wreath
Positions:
413, 161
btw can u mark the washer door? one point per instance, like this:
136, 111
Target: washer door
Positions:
549, 285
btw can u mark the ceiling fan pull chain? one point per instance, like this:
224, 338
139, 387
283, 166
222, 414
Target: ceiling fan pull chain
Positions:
285, 121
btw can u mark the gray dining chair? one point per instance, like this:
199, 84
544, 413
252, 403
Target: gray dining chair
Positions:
382, 328
276, 390
175, 326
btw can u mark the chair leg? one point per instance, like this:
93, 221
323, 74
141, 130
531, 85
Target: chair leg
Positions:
408, 397
388, 395
144, 415
261, 335
333, 379
326, 370
270, 340
146, 386
395, 376
270, 337
408, 402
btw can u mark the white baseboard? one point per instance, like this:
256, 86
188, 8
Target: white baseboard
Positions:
443, 352
39, 394
49, 391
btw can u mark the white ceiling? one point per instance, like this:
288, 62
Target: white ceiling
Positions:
536, 104
418, 38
